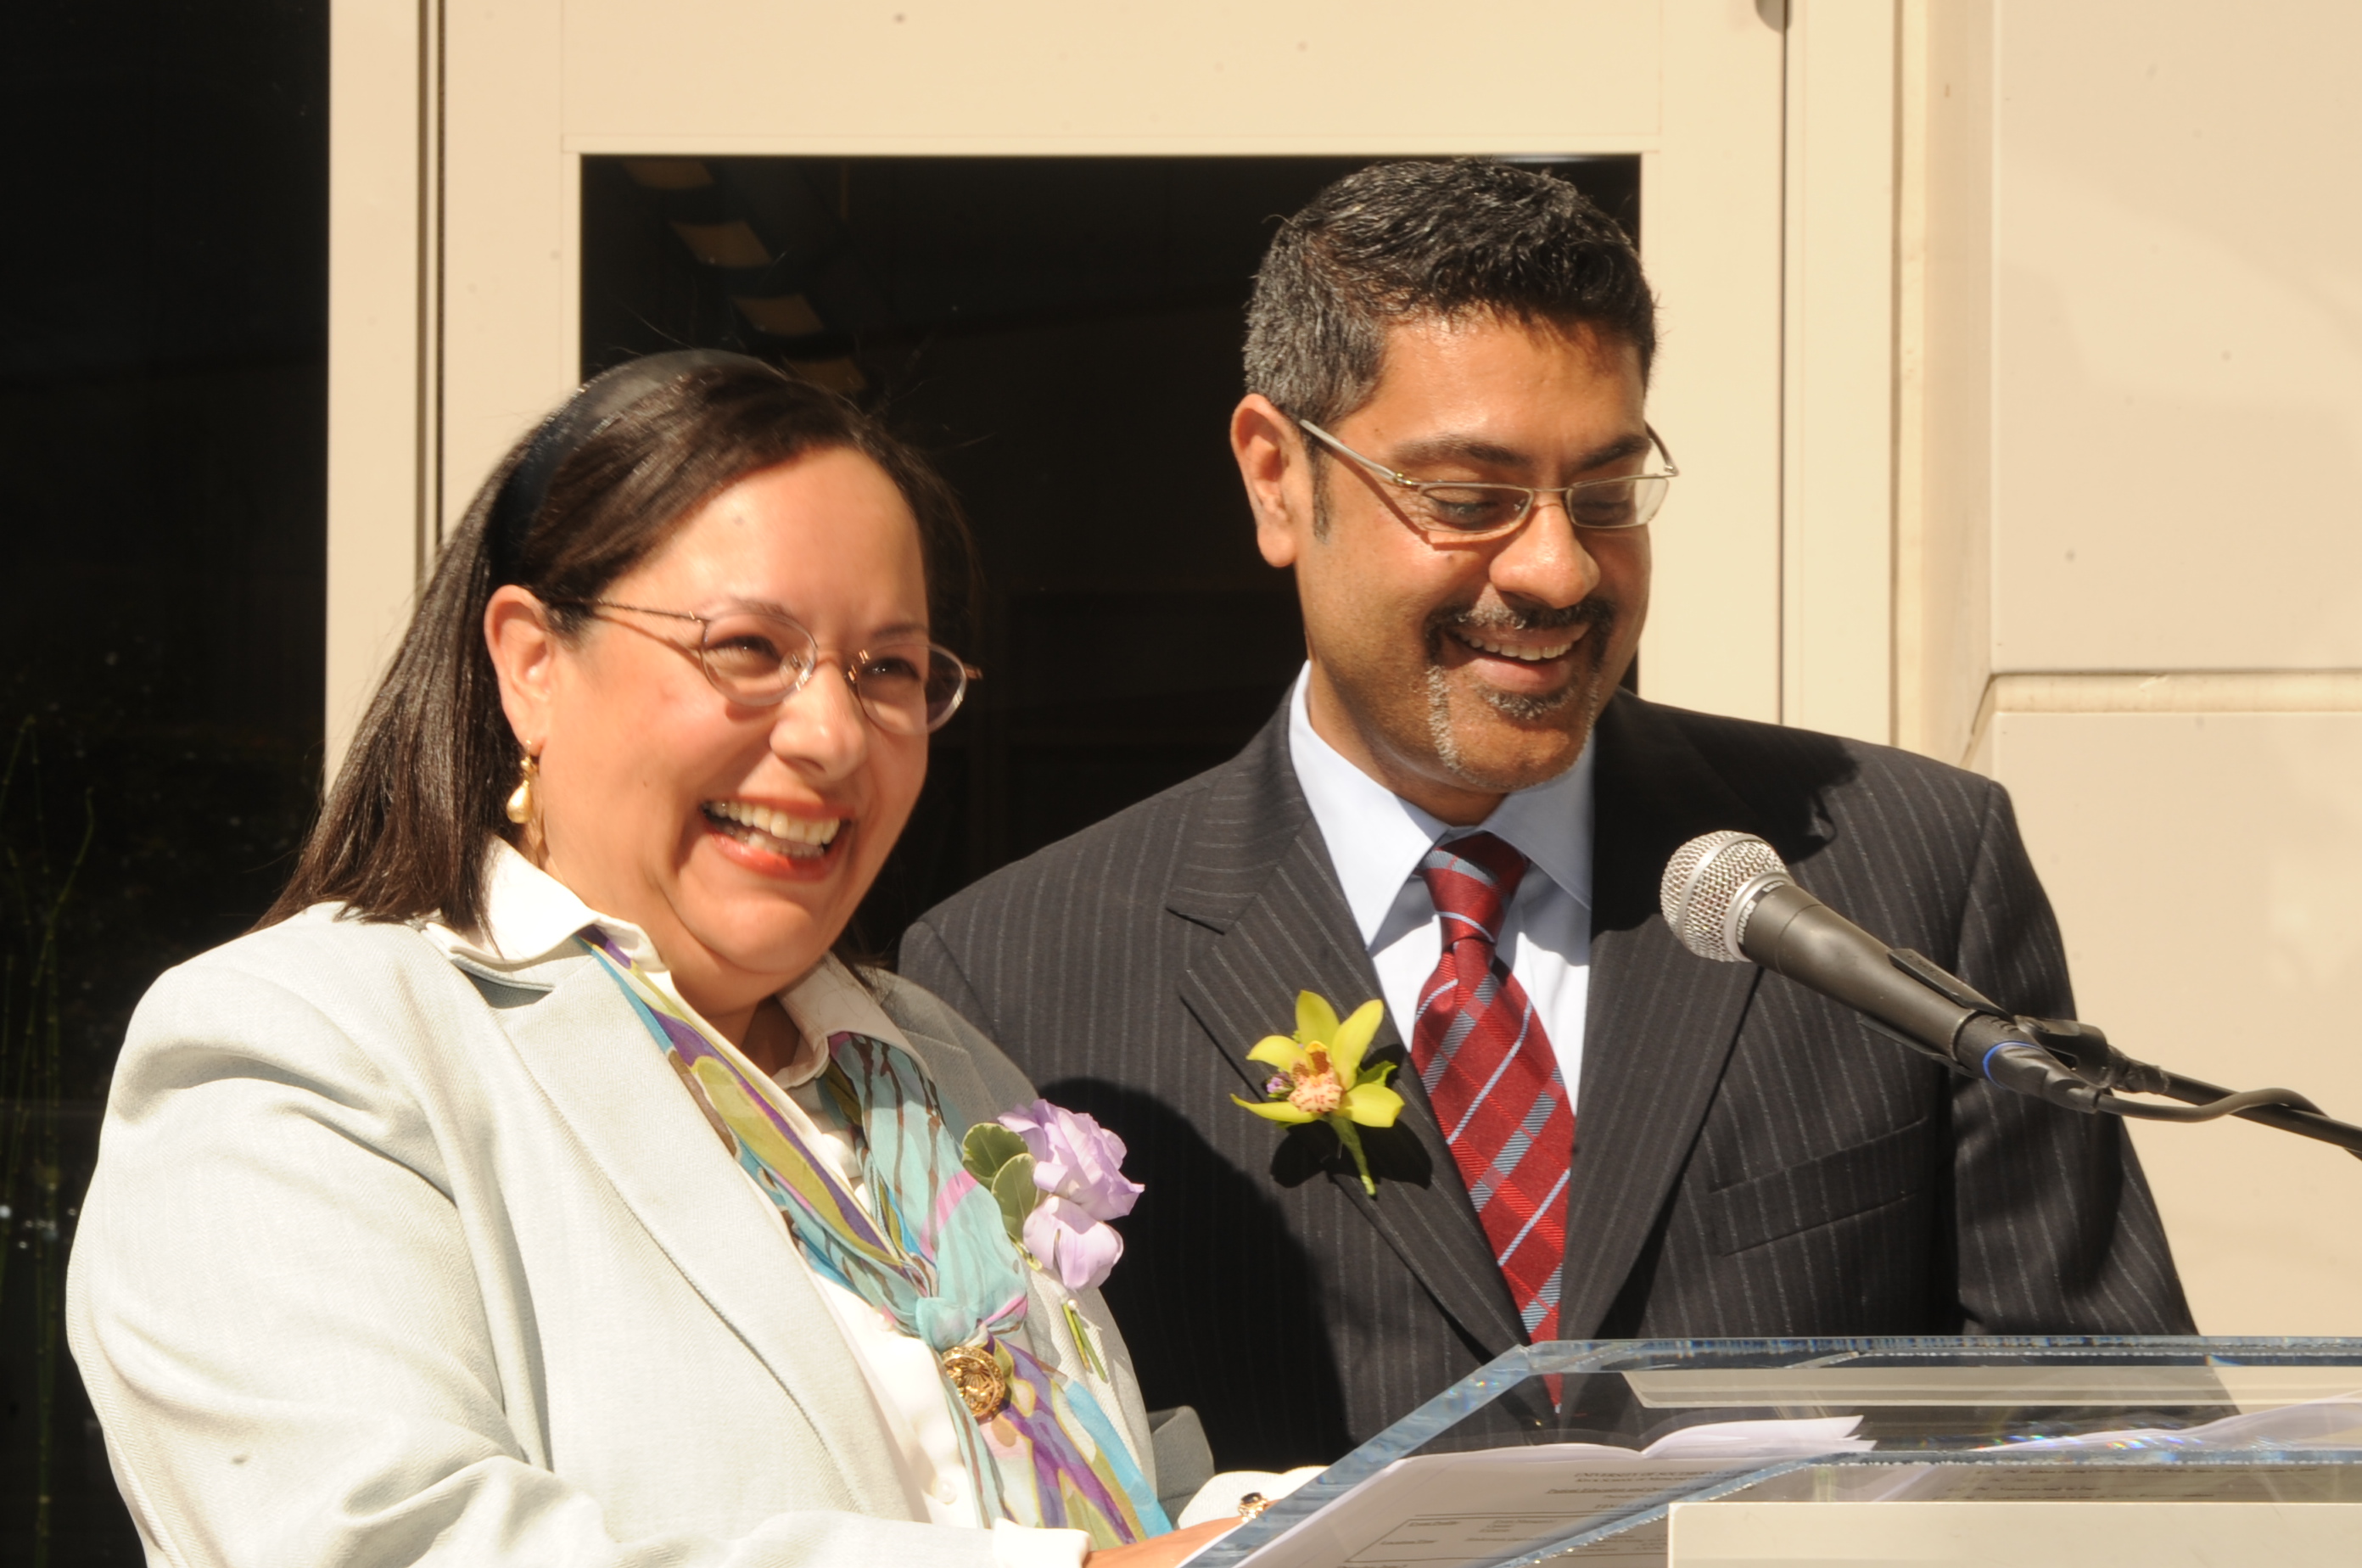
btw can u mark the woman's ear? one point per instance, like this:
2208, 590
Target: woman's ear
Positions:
524, 651
1272, 463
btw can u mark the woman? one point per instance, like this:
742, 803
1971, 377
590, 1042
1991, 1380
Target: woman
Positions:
442, 1217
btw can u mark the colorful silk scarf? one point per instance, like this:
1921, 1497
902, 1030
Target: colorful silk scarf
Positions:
936, 1259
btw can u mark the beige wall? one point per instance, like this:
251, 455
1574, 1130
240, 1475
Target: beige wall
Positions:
2232, 956
1944, 375
1837, 511
2134, 422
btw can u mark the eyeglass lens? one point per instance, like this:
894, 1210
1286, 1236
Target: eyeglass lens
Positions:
907, 688
1482, 509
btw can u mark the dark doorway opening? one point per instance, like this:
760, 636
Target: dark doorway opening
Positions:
1062, 334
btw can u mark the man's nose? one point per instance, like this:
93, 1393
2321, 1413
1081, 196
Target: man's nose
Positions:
1545, 562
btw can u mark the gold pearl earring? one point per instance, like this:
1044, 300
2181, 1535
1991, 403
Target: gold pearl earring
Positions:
525, 808
521, 805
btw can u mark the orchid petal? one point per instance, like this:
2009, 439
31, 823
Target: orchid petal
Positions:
1352, 1038
1278, 1109
1372, 1106
1278, 1051
1316, 1021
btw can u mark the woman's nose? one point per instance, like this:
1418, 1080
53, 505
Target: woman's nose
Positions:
821, 728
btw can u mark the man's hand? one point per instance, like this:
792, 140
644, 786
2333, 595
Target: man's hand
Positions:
1162, 1551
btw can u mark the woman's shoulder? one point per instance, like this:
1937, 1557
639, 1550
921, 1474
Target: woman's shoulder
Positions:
321, 950
976, 1078
323, 991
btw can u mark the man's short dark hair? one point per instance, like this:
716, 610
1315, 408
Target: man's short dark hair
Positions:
1398, 241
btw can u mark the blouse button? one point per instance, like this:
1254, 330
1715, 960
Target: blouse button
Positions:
945, 1493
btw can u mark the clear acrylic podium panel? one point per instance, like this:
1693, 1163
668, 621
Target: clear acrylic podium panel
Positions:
1940, 1420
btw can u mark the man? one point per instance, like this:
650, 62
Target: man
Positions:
1459, 811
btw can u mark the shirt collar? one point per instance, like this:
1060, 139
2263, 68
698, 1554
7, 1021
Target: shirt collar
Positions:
531, 916
1376, 838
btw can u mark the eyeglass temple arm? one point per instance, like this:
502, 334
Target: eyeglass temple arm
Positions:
1663, 451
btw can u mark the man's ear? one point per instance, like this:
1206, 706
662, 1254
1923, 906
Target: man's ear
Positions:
1270, 451
524, 651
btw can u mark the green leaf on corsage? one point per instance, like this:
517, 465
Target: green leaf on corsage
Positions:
1012, 1188
988, 1146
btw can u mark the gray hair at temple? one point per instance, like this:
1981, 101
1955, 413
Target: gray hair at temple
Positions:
1399, 241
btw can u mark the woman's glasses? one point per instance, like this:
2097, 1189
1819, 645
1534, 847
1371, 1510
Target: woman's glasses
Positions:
908, 686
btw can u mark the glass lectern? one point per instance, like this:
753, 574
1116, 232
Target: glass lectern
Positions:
1761, 1452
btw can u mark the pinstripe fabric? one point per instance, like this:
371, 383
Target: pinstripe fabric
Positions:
1488, 1069
1750, 1161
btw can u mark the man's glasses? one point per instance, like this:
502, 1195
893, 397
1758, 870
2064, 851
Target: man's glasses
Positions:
907, 686
1469, 512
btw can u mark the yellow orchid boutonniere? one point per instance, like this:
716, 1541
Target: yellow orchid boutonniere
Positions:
1321, 1076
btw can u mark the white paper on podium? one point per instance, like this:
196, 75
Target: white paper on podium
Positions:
2327, 1425
1443, 1511
2322, 1425
2316, 1423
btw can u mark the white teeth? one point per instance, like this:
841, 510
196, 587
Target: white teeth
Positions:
1531, 656
778, 823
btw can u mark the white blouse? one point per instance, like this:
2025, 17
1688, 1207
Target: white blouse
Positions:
529, 915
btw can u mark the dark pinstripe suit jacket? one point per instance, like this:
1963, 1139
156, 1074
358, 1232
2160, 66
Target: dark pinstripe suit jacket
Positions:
1748, 1159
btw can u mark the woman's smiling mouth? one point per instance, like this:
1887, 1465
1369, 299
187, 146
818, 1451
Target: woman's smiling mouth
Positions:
771, 830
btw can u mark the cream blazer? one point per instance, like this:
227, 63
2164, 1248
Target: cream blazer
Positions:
391, 1259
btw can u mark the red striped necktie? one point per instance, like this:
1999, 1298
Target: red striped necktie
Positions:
1492, 1077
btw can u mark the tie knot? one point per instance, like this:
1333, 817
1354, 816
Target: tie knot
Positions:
1471, 880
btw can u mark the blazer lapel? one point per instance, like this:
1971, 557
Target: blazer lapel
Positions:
1260, 876
605, 1078
1660, 1022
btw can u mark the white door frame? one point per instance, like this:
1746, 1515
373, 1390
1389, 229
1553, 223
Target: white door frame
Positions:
457, 135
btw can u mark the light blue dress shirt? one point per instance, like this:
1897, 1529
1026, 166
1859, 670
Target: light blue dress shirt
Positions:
1376, 840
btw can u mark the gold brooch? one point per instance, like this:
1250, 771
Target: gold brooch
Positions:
976, 1376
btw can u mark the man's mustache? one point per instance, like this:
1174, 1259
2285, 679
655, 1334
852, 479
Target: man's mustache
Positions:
1592, 613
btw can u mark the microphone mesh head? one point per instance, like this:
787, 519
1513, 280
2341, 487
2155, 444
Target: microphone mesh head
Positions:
1702, 877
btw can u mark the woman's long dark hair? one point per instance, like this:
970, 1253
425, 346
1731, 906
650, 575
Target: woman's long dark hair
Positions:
403, 833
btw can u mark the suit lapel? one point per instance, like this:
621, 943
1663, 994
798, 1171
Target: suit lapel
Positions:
1261, 877
605, 1078
1658, 1029
1661, 1021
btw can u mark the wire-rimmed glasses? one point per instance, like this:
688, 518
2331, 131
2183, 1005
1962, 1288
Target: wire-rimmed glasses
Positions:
1472, 510
908, 686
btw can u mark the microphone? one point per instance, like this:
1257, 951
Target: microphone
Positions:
1729, 896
